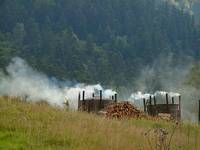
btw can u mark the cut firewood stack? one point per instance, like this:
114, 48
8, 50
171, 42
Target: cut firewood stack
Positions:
123, 110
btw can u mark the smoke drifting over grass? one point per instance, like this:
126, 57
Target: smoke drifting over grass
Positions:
169, 75
21, 80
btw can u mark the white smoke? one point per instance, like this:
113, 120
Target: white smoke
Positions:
20, 80
139, 95
109, 93
137, 98
166, 77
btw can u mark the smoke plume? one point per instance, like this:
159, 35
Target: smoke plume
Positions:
20, 80
167, 75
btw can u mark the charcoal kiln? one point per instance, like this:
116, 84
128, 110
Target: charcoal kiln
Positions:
172, 109
95, 103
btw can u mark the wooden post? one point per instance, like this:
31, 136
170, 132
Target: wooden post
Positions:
112, 97
155, 107
179, 99
150, 106
89, 103
116, 97
144, 102
93, 95
167, 102
172, 100
199, 111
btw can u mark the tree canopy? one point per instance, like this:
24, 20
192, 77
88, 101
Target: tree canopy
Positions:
106, 41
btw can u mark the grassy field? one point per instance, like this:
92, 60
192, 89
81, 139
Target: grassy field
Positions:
25, 126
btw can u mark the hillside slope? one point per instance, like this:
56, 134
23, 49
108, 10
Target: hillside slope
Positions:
92, 41
190, 6
25, 125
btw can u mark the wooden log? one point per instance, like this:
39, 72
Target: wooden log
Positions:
120, 110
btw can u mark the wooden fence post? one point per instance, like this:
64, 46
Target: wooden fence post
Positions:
199, 111
83, 103
155, 105
144, 102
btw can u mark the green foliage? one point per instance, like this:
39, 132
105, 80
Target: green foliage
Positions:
7, 51
88, 41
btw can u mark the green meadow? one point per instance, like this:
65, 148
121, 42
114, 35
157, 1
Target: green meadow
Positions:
39, 126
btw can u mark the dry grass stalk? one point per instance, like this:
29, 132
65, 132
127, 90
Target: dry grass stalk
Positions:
161, 138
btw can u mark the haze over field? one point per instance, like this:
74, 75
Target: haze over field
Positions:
53, 49
100, 74
20, 80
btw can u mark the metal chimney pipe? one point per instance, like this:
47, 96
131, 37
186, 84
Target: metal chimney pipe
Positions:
150, 98
83, 102
100, 95
172, 100
100, 100
179, 99
79, 100
116, 97
167, 101
154, 98
83, 98
144, 102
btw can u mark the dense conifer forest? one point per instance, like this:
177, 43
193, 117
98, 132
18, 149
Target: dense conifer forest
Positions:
91, 41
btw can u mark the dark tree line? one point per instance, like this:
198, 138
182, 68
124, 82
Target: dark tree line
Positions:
91, 41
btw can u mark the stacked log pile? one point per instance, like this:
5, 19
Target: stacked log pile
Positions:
123, 110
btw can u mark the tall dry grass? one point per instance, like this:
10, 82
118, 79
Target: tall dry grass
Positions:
26, 125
